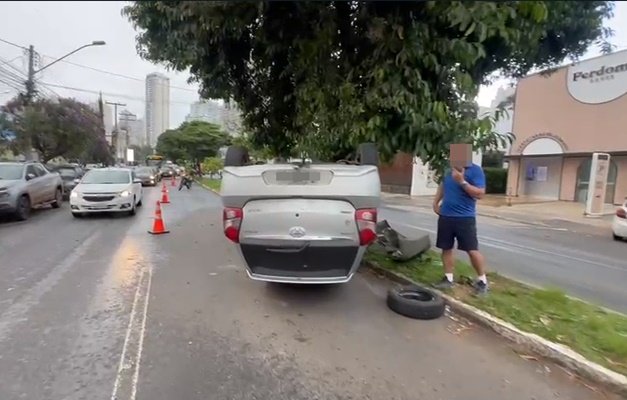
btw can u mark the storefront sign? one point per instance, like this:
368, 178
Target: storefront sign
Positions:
540, 135
598, 80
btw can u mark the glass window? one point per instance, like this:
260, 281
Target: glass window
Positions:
100, 176
10, 172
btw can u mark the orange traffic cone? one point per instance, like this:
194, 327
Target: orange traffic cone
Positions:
158, 227
173, 181
163, 185
164, 196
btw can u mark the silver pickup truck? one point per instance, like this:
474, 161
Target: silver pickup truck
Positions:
24, 186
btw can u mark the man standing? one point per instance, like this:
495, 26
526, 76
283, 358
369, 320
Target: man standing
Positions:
455, 203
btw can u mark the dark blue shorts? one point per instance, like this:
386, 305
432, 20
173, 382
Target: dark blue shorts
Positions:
462, 229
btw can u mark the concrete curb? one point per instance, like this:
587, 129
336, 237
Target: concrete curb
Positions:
208, 188
562, 355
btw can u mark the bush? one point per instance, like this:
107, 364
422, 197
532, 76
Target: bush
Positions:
496, 180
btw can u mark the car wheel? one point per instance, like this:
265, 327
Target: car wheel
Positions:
58, 198
23, 208
133, 210
77, 215
616, 237
139, 204
416, 302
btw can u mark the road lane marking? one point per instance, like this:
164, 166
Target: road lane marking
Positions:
520, 249
127, 376
18, 311
142, 335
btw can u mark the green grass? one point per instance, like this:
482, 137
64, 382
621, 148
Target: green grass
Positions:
212, 183
599, 335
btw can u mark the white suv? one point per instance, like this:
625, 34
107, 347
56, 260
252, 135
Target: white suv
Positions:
619, 224
301, 222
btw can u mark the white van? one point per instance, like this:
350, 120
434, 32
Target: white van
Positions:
301, 223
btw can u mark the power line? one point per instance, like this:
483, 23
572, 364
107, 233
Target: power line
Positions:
102, 71
122, 96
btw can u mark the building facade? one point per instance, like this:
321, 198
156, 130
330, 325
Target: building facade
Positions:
226, 115
560, 121
157, 106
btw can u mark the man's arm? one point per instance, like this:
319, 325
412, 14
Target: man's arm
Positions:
476, 187
438, 196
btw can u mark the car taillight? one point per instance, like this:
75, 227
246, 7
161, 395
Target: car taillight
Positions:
366, 224
621, 213
231, 219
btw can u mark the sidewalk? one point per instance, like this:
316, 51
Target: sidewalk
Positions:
552, 214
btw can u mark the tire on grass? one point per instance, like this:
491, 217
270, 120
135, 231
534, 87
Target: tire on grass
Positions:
368, 154
236, 156
416, 302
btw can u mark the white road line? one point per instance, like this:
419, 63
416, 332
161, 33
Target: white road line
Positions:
513, 247
129, 329
141, 337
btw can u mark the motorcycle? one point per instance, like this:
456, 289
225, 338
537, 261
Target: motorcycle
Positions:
186, 181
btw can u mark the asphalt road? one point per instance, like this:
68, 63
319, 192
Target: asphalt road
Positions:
98, 309
587, 266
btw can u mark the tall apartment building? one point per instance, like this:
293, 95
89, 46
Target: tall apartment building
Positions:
157, 106
225, 115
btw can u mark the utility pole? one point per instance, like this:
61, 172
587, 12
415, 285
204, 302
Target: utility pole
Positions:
114, 134
126, 117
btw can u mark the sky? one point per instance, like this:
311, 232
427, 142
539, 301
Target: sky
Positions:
57, 27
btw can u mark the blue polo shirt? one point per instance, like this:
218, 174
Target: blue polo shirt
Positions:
455, 201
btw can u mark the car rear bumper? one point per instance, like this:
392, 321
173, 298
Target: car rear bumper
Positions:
316, 263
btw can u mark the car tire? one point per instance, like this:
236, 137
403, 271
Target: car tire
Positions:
139, 204
368, 154
416, 302
133, 210
23, 208
77, 215
617, 238
58, 198
236, 156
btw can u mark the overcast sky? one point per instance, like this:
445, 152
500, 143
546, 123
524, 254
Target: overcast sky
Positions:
58, 27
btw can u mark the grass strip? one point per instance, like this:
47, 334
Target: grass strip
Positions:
214, 184
597, 334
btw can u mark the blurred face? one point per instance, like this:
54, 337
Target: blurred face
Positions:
460, 155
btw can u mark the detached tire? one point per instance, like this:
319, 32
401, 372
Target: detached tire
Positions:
416, 302
368, 154
236, 157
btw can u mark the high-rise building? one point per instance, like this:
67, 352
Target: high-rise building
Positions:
157, 106
225, 115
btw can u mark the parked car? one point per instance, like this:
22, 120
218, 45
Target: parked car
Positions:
70, 173
24, 186
619, 224
301, 222
107, 190
146, 175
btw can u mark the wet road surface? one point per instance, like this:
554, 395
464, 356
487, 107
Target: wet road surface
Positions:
98, 309
587, 266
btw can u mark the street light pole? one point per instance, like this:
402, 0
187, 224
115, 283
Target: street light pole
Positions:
30, 81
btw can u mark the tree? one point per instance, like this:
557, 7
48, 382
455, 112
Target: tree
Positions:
212, 165
192, 141
63, 127
403, 74
141, 152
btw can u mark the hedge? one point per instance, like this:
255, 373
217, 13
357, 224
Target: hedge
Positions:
496, 180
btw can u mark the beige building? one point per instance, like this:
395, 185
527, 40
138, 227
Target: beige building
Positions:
560, 120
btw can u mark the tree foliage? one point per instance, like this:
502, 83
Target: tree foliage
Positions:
63, 127
212, 165
312, 75
193, 141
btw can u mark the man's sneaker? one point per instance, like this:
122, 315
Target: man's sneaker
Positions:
444, 284
481, 288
